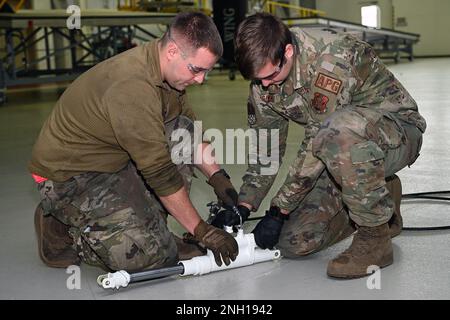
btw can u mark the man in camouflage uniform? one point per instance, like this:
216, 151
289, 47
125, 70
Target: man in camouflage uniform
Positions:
361, 126
103, 158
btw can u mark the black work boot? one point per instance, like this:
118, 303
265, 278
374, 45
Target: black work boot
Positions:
370, 246
188, 247
55, 245
394, 186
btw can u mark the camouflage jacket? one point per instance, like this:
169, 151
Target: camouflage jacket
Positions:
330, 71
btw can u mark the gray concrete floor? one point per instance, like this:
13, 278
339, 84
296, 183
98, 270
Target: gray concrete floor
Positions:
422, 260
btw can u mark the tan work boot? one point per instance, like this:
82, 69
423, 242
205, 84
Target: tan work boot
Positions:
54, 242
341, 227
370, 246
394, 185
188, 248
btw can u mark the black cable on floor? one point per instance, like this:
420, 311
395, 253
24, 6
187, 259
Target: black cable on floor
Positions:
412, 196
428, 196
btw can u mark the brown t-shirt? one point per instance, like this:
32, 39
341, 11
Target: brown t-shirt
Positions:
112, 113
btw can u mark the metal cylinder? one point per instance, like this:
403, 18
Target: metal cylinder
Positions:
156, 273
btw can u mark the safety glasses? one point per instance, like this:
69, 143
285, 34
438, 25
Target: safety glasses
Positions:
195, 70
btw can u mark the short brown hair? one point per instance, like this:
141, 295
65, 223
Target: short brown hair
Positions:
260, 38
195, 30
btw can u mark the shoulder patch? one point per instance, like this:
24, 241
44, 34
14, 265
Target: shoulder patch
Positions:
328, 83
320, 102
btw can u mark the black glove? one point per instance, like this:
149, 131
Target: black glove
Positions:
228, 217
226, 194
268, 230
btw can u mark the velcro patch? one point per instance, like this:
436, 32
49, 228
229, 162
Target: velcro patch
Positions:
251, 116
327, 66
251, 119
328, 83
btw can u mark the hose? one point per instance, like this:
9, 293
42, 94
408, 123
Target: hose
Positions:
427, 196
412, 196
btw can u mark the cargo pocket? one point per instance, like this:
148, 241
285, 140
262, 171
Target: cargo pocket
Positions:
104, 236
368, 165
97, 248
391, 133
365, 152
131, 244
55, 196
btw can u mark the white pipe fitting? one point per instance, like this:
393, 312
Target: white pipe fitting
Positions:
114, 280
249, 254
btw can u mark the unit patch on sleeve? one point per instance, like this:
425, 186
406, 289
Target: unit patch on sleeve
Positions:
328, 83
319, 102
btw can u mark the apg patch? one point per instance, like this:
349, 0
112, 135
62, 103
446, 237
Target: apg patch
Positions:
328, 83
319, 102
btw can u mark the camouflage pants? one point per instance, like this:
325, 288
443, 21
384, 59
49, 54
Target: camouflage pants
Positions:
360, 148
116, 222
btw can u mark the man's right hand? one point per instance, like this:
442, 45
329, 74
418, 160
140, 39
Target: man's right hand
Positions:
268, 230
222, 244
228, 217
